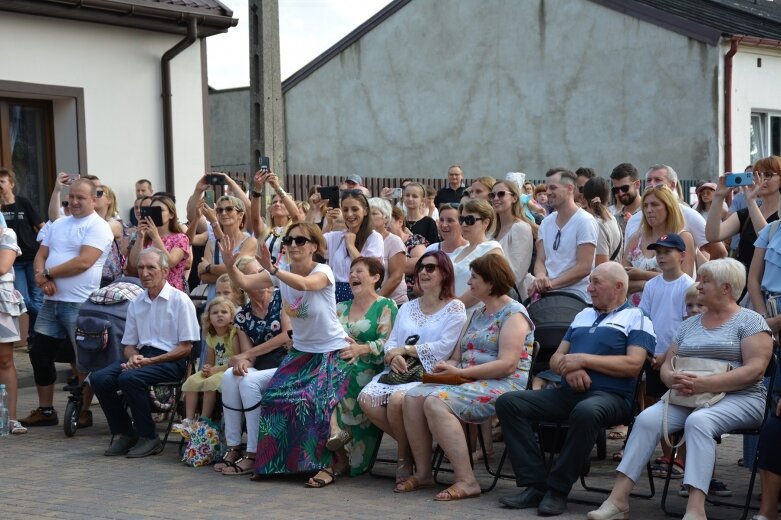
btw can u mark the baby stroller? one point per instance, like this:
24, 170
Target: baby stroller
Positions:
99, 330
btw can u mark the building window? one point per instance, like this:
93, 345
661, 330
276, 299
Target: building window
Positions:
765, 135
26, 146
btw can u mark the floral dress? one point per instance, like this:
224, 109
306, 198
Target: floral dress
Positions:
261, 329
372, 329
474, 402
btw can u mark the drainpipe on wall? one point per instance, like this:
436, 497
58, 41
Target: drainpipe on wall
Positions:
733, 49
168, 131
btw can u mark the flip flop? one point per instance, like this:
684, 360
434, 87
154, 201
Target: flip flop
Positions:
454, 493
319, 482
411, 484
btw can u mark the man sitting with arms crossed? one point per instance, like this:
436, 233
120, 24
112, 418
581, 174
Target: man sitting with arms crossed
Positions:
599, 359
161, 326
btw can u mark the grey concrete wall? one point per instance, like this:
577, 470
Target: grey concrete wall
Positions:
229, 117
507, 85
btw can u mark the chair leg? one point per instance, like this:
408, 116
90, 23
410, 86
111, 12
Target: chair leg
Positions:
172, 416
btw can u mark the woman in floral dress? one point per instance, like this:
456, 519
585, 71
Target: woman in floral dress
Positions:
490, 353
368, 320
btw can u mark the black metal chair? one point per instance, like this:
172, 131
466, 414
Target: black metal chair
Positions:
770, 372
176, 388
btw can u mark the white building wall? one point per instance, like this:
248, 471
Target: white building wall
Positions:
755, 89
119, 70
507, 85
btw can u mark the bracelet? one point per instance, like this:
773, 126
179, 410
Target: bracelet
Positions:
256, 194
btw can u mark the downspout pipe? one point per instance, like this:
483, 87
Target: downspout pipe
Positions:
168, 131
733, 49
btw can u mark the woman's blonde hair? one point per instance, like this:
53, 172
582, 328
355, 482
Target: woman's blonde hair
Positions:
485, 180
482, 208
208, 328
313, 233
238, 204
674, 222
517, 208
237, 292
111, 210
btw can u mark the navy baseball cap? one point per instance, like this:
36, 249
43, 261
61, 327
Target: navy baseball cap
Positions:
672, 241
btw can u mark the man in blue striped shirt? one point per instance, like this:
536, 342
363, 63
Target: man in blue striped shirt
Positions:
599, 360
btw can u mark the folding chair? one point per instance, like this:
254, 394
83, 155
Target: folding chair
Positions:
770, 372
176, 386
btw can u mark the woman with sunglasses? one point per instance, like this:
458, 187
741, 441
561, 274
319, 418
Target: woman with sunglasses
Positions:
106, 207
416, 220
661, 215
762, 200
450, 231
514, 233
169, 237
476, 219
230, 215
282, 212
296, 408
425, 329
359, 239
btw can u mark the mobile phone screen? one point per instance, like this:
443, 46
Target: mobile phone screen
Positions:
153, 212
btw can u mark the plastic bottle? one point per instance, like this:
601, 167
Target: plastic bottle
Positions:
4, 419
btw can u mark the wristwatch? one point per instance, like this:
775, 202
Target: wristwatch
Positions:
208, 268
275, 271
256, 194
47, 275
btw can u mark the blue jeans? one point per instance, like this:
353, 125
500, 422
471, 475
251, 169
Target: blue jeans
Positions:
134, 384
24, 282
56, 321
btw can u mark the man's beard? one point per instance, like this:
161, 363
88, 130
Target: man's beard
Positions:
630, 201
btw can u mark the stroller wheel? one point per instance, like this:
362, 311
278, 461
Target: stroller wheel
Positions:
70, 422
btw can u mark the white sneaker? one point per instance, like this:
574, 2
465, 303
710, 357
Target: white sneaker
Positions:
608, 511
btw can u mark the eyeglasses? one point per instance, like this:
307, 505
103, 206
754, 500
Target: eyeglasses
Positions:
469, 220
100, 193
557, 240
498, 194
226, 209
65, 203
622, 189
429, 268
299, 241
767, 175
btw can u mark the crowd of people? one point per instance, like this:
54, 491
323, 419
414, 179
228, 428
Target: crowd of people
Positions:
333, 320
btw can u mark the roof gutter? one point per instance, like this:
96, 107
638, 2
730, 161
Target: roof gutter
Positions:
733, 49
168, 131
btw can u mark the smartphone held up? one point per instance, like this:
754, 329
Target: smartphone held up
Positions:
736, 180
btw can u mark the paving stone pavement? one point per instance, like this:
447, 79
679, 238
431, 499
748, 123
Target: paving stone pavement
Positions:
45, 475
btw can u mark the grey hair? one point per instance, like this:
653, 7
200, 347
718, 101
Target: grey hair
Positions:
163, 258
672, 176
726, 271
383, 206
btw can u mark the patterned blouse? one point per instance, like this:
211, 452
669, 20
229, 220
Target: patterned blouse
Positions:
259, 330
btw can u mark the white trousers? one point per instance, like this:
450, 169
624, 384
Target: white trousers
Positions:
700, 427
243, 392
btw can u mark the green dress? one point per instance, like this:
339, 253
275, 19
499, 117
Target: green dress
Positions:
372, 329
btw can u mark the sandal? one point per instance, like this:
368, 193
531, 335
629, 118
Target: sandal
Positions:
16, 427
660, 470
337, 441
454, 493
319, 482
412, 484
227, 461
237, 469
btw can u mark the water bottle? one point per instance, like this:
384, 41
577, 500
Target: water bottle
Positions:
5, 426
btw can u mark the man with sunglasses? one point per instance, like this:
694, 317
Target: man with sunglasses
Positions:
566, 240
625, 180
694, 223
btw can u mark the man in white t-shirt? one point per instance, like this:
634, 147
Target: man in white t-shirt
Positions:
566, 240
67, 268
661, 174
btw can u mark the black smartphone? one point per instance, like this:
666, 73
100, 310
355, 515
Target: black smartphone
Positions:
215, 179
331, 194
264, 163
153, 212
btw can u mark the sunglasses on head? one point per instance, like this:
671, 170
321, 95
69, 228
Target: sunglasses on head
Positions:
429, 268
469, 220
622, 189
226, 209
497, 195
299, 241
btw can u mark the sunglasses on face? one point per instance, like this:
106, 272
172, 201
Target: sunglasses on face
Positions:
497, 195
622, 189
226, 209
429, 268
299, 241
469, 220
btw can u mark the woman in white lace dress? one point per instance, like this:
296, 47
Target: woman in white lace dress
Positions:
436, 318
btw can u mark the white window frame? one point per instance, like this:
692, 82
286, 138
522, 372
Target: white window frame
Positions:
767, 124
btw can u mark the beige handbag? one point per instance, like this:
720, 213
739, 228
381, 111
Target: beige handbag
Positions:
699, 367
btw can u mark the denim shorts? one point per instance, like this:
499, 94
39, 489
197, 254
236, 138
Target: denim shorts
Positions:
58, 320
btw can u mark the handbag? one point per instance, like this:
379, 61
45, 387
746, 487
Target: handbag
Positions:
699, 367
445, 379
204, 443
414, 373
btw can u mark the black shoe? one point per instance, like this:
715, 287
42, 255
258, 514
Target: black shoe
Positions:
531, 497
121, 445
553, 504
145, 447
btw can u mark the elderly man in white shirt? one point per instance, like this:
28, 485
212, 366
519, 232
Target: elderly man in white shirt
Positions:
161, 326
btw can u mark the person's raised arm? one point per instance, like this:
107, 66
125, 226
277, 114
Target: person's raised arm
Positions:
715, 228
258, 223
290, 204
60, 183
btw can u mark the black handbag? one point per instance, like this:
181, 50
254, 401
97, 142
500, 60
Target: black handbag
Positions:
414, 373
